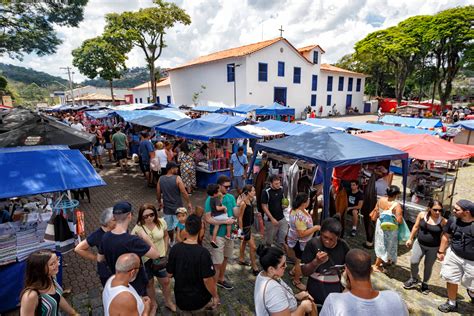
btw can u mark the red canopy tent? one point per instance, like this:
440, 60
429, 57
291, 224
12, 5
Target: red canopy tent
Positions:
421, 146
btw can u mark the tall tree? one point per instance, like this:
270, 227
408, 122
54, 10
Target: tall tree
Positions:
451, 35
28, 26
146, 29
397, 47
98, 57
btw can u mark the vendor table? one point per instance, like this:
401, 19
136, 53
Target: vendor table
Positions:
205, 177
13, 278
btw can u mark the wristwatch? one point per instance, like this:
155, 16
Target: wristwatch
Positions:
441, 252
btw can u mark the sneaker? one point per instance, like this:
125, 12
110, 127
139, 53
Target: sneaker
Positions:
410, 284
353, 233
225, 285
448, 308
424, 288
214, 245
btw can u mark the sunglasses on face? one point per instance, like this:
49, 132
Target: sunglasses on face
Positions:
148, 216
227, 186
437, 209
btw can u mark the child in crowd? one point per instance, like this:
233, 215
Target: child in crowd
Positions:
218, 212
199, 211
182, 215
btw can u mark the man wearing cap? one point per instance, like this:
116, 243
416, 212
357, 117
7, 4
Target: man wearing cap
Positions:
170, 187
458, 255
118, 242
146, 153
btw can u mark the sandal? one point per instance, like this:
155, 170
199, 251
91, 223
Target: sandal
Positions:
300, 286
244, 263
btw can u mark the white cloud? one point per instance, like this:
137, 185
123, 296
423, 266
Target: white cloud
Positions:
222, 24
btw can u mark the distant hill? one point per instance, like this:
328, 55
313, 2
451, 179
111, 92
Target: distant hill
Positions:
29, 76
131, 78
25, 76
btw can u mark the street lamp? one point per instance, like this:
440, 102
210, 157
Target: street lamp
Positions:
234, 66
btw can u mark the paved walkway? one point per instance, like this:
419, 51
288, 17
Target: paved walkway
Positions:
80, 275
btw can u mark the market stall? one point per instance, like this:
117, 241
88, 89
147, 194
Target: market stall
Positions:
290, 129
412, 122
465, 137
243, 108
320, 123
31, 178
218, 139
222, 119
369, 127
328, 149
43, 130
431, 173
276, 111
150, 121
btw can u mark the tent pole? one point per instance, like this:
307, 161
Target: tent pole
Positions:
404, 181
327, 174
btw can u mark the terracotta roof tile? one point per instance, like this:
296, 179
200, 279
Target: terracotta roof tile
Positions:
310, 47
327, 67
97, 97
230, 53
161, 83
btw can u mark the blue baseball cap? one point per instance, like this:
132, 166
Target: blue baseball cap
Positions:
123, 207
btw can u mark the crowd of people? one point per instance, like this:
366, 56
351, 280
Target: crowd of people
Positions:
338, 278
174, 239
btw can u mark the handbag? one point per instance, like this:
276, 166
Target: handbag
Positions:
155, 265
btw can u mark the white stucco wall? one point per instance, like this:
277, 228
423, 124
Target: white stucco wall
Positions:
186, 81
144, 94
339, 97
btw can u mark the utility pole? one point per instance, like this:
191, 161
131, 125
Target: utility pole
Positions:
69, 72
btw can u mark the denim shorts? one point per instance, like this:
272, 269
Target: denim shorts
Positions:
171, 221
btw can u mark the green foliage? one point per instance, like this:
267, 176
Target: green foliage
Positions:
98, 57
145, 29
420, 52
28, 26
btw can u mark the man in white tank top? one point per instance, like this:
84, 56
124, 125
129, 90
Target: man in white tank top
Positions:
119, 297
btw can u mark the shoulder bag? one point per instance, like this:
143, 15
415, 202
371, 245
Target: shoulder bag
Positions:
155, 265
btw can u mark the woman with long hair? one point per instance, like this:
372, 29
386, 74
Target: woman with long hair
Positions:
272, 295
152, 229
246, 218
42, 295
300, 232
389, 215
428, 229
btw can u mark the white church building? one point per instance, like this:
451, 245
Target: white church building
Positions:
265, 72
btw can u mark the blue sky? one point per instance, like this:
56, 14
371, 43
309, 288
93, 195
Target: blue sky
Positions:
220, 24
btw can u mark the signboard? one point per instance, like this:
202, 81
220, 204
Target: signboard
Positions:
59, 93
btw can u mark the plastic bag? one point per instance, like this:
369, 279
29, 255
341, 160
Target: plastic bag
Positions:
403, 232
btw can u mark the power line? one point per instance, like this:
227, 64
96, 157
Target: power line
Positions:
69, 73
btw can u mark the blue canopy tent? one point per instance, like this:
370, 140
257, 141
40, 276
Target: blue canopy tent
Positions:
222, 119
168, 113
202, 130
275, 109
243, 108
285, 127
99, 114
41, 169
411, 121
469, 125
327, 123
329, 149
379, 127
207, 108
150, 121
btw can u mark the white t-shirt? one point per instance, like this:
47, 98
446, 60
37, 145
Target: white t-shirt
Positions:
278, 296
161, 154
78, 126
386, 303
